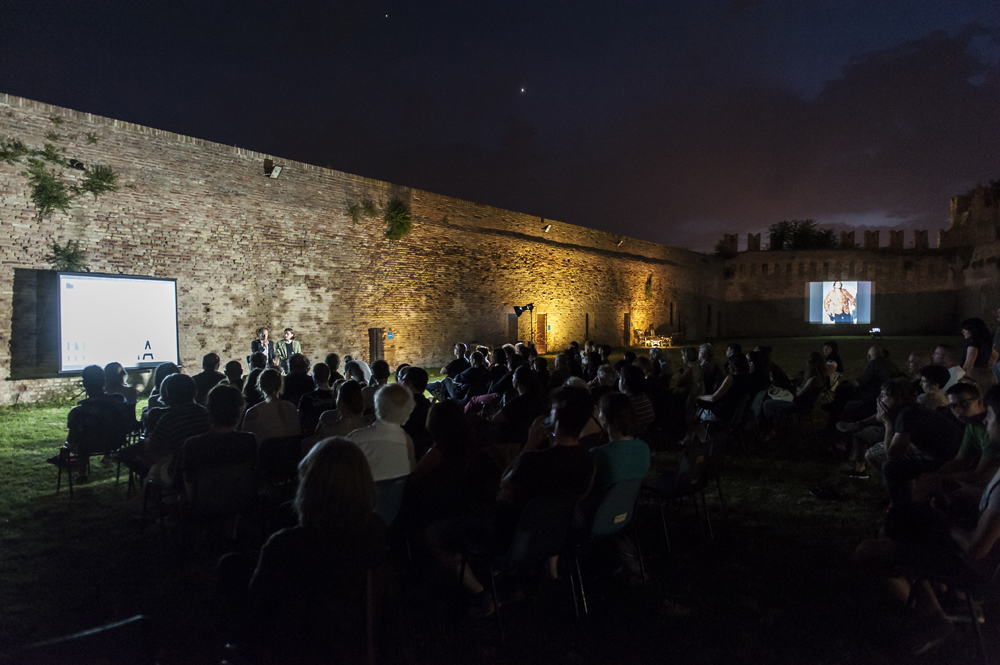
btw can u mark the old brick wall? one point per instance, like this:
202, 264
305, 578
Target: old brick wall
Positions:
915, 292
249, 250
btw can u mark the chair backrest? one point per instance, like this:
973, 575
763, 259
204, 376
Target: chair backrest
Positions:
224, 490
616, 508
541, 531
102, 426
692, 469
740, 412
390, 498
280, 455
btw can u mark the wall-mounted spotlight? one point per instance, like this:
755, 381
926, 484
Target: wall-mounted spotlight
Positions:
270, 169
619, 243
521, 310
546, 228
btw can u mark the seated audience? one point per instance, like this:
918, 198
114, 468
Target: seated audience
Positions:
209, 377
274, 418
222, 446
251, 393
450, 371
711, 373
606, 382
234, 374
814, 382
380, 377
632, 382
101, 415
831, 355
933, 379
182, 419
385, 443
624, 456
552, 464
917, 361
347, 417
332, 361
917, 440
721, 405
415, 380
355, 372
319, 568
313, 404
435, 489
366, 371
116, 383
163, 370
947, 356
515, 418
297, 381
936, 541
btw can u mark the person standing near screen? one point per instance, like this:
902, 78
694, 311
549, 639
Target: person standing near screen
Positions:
287, 348
263, 345
839, 304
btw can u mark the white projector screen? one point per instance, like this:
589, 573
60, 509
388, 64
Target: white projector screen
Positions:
837, 302
108, 318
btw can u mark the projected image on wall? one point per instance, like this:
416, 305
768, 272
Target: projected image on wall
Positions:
836, 302
106, 318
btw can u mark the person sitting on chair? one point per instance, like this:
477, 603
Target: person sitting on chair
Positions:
263, 345
100, 415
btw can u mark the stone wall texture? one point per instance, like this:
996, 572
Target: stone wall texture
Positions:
248, 250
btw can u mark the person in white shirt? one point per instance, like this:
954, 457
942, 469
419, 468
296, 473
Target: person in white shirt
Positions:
945, 355
387, 446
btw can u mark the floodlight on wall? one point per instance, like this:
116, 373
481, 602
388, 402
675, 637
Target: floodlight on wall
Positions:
270, 169
619, 243
546, 228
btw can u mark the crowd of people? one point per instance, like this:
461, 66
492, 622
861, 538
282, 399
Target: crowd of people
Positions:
502, 428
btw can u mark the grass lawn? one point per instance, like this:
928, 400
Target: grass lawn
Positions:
775, 585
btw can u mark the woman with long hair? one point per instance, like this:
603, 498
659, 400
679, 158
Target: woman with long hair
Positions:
814, 381
274, 418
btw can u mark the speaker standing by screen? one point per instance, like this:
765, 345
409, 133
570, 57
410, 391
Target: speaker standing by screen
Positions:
116, 318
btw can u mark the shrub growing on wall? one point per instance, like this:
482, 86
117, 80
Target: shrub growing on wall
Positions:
67, 258
397, 219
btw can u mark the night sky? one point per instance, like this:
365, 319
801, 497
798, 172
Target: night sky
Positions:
669, 121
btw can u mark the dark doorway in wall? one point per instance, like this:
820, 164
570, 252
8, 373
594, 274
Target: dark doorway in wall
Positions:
376, 347
541, 335
627, 331
511, 328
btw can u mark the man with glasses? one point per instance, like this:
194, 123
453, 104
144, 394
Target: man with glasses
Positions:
978, 458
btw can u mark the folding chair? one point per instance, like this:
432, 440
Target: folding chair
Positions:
103, 430
615, 512
541, 534
390, 498
688, 479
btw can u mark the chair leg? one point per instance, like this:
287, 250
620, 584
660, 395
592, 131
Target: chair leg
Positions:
975, 614
572, 588
638, 547
708, 518
663, 520
722, 499
496, 606
579, 577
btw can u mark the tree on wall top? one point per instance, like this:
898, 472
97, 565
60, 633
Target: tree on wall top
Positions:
396, 214
799, 234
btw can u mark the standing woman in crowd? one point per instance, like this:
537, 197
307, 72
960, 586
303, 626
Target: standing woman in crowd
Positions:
978, 356
263, 345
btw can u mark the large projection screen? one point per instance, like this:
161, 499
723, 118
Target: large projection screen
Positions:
836, 302
116, 318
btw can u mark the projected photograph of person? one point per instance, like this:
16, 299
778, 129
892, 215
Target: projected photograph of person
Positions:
840, 302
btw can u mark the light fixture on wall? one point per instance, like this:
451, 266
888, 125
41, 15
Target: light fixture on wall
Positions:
270, 169
546, 228
619, 243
